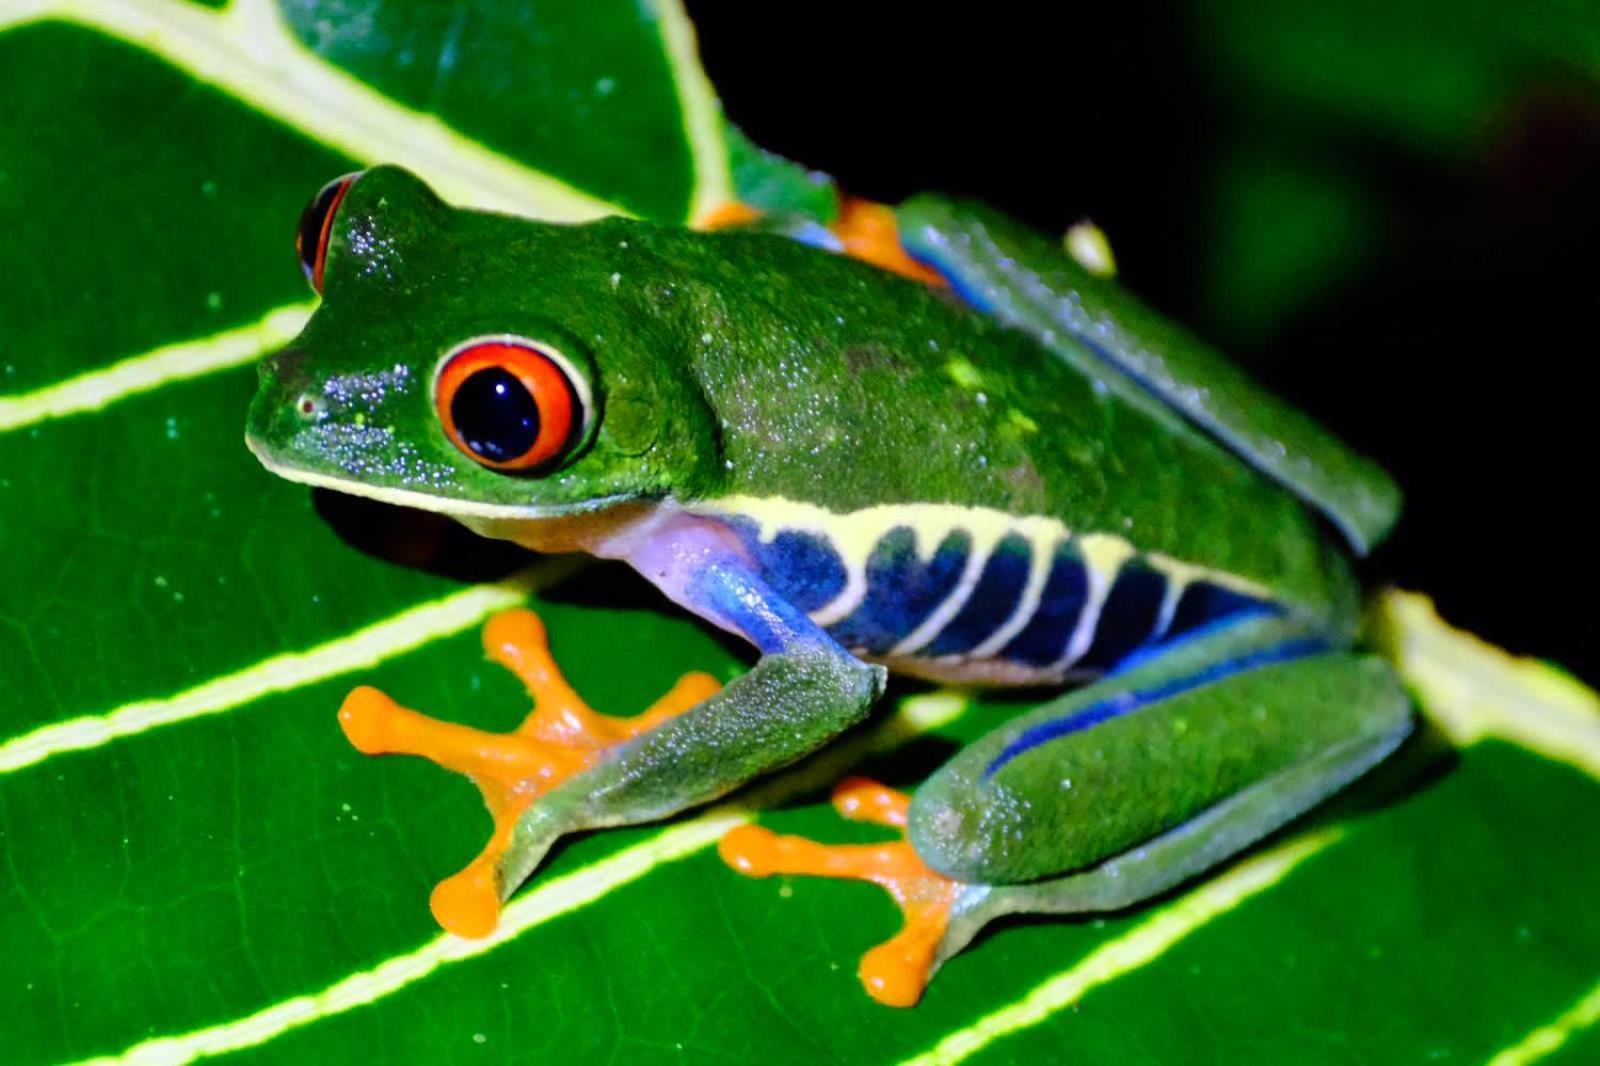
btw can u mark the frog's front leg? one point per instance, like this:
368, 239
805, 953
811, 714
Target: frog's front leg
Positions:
568, 769
1123, 789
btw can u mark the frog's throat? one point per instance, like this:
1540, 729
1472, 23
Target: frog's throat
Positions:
415, 499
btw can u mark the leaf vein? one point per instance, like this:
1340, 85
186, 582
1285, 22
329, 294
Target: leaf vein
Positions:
403, 632
246, 51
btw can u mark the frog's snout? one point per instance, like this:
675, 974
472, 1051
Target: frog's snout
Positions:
286, 388
282, 370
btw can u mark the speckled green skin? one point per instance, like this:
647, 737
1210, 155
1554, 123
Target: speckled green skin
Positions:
1022, 279
748, 364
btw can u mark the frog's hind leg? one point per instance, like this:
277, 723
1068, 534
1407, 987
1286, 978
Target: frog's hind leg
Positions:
561, 737
1253, 704
1130, 786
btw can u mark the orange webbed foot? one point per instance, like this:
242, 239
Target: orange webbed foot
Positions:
866, 230
730, 215
561, 737
896, 971
870, 232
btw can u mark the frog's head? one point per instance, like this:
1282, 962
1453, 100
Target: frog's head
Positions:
477, 365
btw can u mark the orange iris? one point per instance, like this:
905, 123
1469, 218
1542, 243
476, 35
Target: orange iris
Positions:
506, 404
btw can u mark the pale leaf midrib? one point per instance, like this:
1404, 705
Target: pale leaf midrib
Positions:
405, 631
1551, 1037
246, 51
702, 114
1472, 689
95, 390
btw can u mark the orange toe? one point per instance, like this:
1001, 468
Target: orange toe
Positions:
870, 232
896, 971
561, 737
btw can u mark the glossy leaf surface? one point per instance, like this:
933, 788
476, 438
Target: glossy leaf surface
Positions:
197, 864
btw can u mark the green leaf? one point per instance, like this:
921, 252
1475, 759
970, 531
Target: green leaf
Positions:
196, 862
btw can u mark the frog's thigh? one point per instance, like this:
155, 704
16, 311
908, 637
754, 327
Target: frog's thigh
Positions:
1186, 757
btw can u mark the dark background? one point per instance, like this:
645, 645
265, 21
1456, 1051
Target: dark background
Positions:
1388, 212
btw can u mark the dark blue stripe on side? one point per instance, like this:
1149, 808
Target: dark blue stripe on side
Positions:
1043, 640
803, 568
958, 283
1124, 702
902, 590
1128, 619
993, 600
1203, 603
1143, 654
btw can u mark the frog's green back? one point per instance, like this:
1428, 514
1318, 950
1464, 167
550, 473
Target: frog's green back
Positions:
841, 387
1024, 280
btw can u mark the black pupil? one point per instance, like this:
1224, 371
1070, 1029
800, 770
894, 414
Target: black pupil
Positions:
496, 415
309, 236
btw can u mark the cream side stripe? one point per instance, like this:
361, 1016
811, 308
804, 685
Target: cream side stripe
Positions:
979, 553
1138, 947
1548, 1039
96, 389
702, 114
1103, 557
1042, 556
247, 51
549, 901
1177, 585
366, 647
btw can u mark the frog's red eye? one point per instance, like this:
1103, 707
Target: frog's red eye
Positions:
509, 404
316, 223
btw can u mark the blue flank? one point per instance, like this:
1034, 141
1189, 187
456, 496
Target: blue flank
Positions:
1044, 639
902, 590
993, 600
801, 567
1139, 656
1203, 602
733, 593
1124, 702
1128, 619
817, 236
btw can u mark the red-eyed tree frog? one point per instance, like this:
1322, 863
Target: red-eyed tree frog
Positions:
937, 444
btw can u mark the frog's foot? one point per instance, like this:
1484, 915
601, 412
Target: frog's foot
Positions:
864, 230
896, 971
730, 215
870, 232
561, 737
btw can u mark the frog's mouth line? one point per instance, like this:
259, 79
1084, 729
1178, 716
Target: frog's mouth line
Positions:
425, 501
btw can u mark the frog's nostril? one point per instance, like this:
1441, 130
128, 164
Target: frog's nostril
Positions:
310, 408
284, 383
